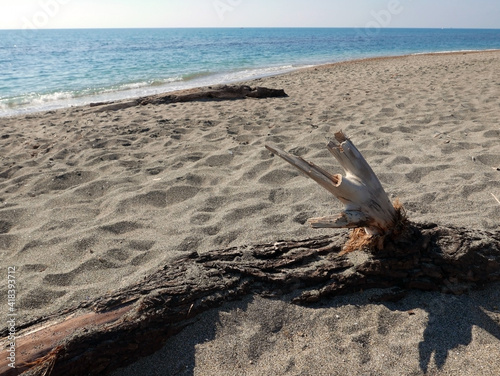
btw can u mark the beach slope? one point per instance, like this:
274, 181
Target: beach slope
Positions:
93, 201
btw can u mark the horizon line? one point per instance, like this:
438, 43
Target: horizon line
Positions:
249, 27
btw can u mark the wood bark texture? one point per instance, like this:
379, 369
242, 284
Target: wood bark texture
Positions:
97, 337
223, 92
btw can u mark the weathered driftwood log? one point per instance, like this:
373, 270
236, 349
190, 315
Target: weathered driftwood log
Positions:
366, 203
97, 337
223, 92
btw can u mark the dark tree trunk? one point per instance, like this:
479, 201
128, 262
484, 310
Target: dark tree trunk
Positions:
98, 337
215, 93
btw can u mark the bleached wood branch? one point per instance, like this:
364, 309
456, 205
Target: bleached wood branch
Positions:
366, 203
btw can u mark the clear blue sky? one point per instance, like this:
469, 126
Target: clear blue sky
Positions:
18, 14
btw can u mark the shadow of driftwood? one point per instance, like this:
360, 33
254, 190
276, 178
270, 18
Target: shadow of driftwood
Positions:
243, 332
451, 321
178, 355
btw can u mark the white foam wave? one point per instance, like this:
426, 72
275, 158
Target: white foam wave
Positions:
37, 103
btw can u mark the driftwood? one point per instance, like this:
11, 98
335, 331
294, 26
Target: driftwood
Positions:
224, 92
95, 338
366, 203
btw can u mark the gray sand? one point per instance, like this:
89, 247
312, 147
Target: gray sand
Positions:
91, 202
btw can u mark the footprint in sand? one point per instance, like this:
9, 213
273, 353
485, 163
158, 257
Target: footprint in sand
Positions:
491, 160
38, 297
494, 133
142, 259
212, 204
95, 189
189, 244
64, 181
245, 212
127, 252
361, 344
200, 219
219, 160
275, 219
157, 199
279, 195
118, 254
121, 227
141, 245
86, 273
5, 226
181, 193
9, 242
278, 177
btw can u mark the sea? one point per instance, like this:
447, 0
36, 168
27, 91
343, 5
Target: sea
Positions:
49, 69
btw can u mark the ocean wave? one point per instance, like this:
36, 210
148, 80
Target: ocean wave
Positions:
196, 75
143, 84
35, 102
33, 99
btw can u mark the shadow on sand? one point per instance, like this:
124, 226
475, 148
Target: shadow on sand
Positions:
246, 336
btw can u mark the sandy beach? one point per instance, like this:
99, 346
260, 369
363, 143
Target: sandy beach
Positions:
91, 202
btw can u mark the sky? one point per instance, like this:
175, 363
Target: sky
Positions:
55, 14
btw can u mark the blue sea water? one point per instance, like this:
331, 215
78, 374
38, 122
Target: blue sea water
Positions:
46, 69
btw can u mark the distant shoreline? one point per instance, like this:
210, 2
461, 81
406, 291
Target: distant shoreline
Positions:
92, 99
